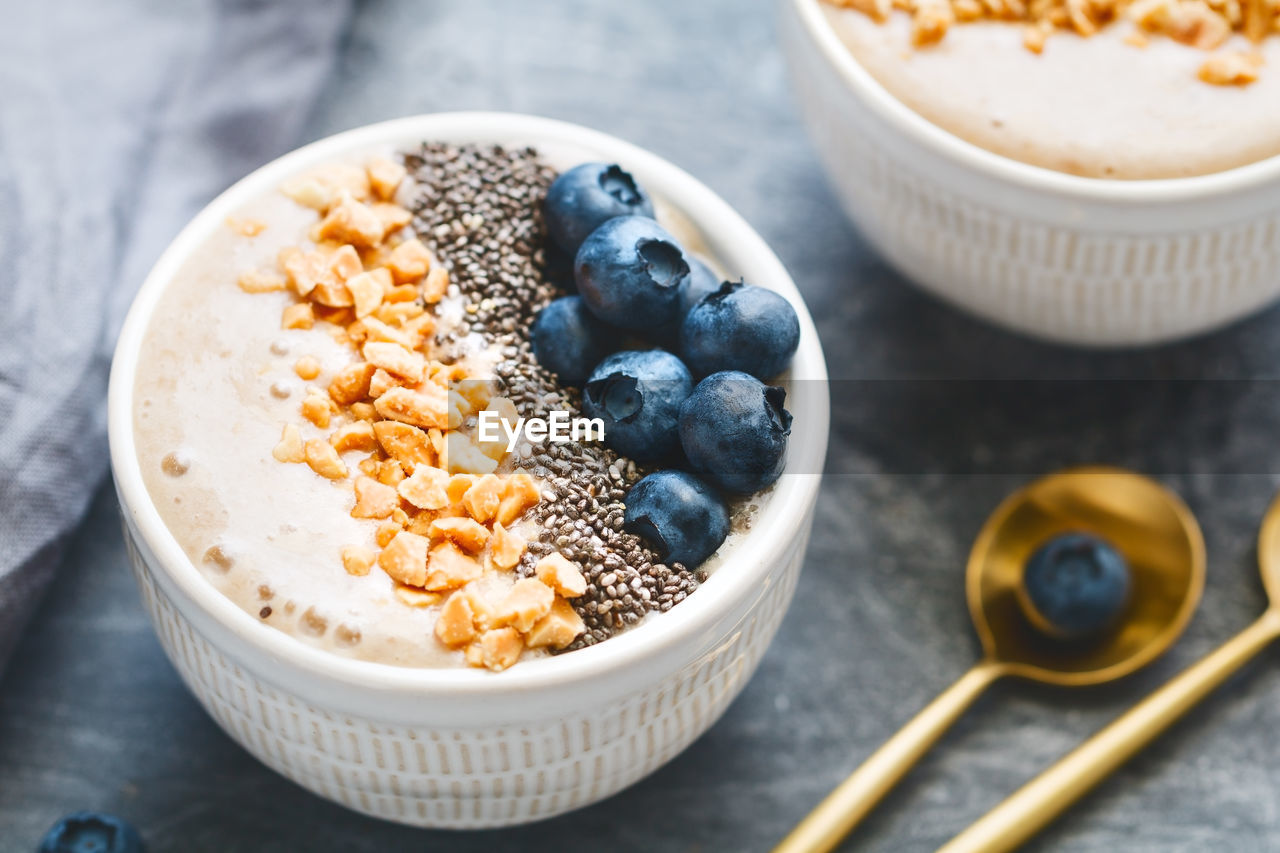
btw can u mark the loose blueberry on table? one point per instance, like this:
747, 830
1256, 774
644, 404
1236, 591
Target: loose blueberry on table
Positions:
91, 832
1077, 584
632, 276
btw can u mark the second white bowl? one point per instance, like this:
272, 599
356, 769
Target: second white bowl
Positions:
1071, 259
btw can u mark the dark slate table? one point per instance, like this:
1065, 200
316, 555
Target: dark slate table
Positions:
92, 715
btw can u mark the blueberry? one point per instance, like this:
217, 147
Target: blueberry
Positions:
630, 272
569, 341
90, 832
638, 395
1078, 584
734, 431
740, 327
582, 199
679, 515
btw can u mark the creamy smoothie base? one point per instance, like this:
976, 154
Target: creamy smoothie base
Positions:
1115, 97
292, 495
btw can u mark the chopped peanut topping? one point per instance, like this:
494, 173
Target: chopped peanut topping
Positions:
393, 217
356, 560
351, 221
529, 600
483, 497
468, 533
409, 261
323, 459
500, 648
345, 263
373, 499
307, 367
1231, 69
405, 558
421, 408
321, 188
1204, 24
436, 285
354, 436
520, 494
449, 567
396, 359
506, 548
414, 597
385, 177
290, 447
315, 408
351, 383
406, 444
456, 622
425, 487
561, 575
367, 291
443, 514
560, 627
298, 316
260, 281
246, 227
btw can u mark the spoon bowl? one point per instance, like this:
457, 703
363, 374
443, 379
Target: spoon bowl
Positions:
1148, 524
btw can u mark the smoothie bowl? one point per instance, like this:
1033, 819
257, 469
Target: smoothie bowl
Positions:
360, 553
1099, 173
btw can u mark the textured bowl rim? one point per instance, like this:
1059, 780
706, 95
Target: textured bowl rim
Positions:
748, 564
907, 121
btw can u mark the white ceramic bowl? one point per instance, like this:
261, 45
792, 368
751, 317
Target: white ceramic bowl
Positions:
1077, 260
460, 747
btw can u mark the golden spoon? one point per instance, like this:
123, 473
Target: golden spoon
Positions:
1159, 539
1042, 799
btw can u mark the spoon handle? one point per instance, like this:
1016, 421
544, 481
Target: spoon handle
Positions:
848, 804
1042, 799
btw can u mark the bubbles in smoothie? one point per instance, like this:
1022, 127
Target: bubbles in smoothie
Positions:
313, 623
175, 464
346, 635
218, 557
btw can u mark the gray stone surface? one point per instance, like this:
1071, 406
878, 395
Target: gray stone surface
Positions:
91, 714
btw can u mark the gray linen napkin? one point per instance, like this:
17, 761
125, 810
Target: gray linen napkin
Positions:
117, 122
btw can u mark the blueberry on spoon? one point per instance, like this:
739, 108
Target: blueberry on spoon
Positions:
1076, 586
678, 515
582, 199
630, 272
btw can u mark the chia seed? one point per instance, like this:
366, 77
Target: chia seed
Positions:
478, 208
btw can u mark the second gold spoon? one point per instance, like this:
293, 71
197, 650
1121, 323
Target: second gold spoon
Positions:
1163, 546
